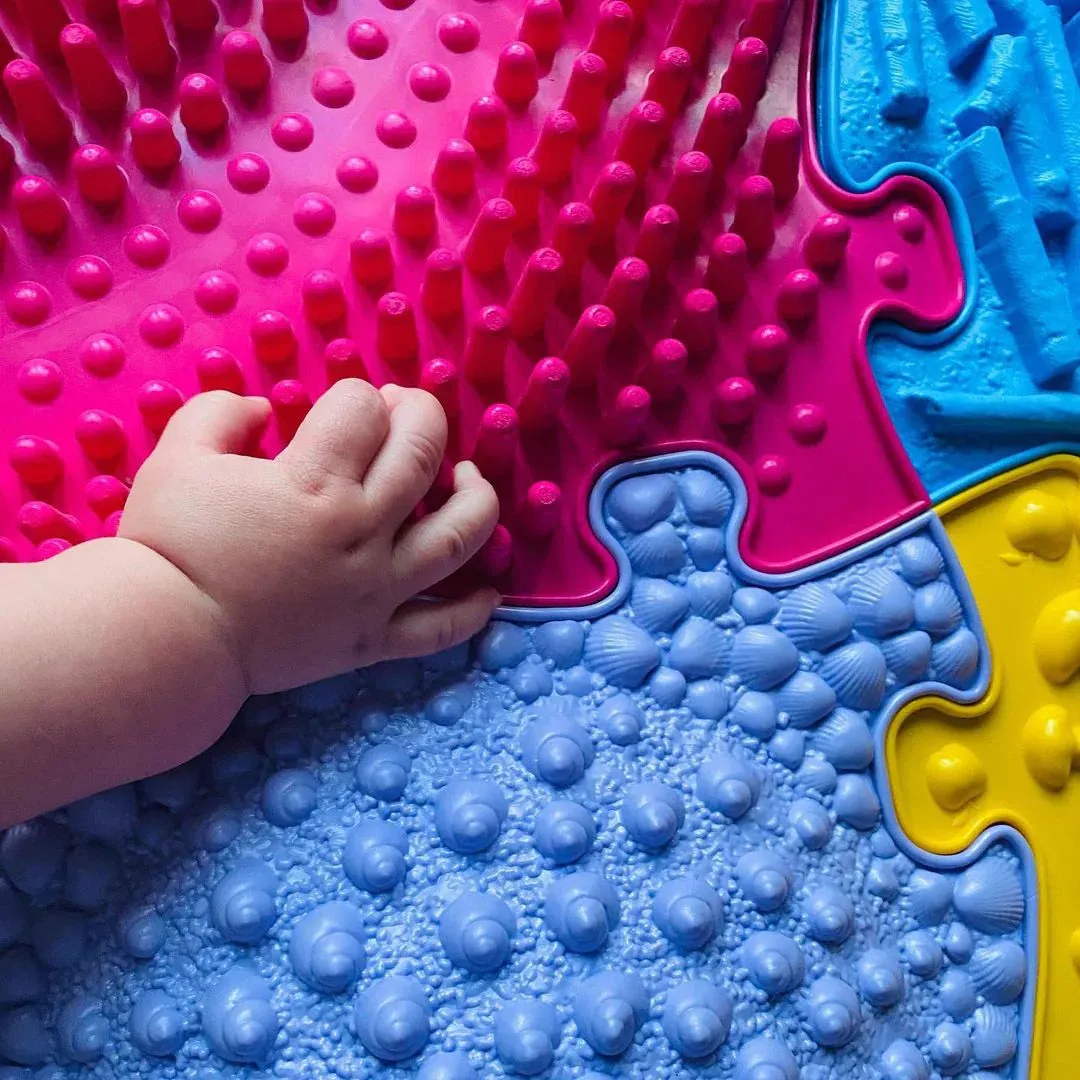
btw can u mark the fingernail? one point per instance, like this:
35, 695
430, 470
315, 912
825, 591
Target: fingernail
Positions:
466, 470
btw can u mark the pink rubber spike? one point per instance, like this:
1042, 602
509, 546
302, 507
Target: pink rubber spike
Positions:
485, 247
586, 91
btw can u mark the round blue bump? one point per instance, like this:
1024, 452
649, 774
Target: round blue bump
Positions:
176, 789
706, 499
708, 699
699, 649
608, 1010
775, 962
578, 681
89, 874
620, 717
444, 1066
564, 832
805, 699
883, 845
763, 1058
881, 979
999, 971
372, 721
556, 749
994, 1039
658, 605
922, 953
957, 994
560, 642
621, 652
688, 912
788, 747
32, 855
13, 913
239, 1020
233, 762
657, 552
393, 1018
448, 706
58, 937
764, 878
880, 603
938, 610
469, 815
156, 828
24, 1038
82, 1031
109, 816
762, 657
814, 617
289, 796
709, 592
527, 1035
907, 656
529, 681
22, 978
156, 1024
950, 1049
830, 915
833, 1015
652, 814
959, 943
477, 932
955, 660
668, 687
755, 605
882, 880
581, 909
844, 740
142, 933
382, 772
243, 905
706, 547
286, 741
212, 825
503, 645
817, 774
857, 673
811, 823
755, 713
641, 501
728, 784
855, 801
697, 1018
375, 853
920, 560
326, 949
989, 896
902, 1061
929, 895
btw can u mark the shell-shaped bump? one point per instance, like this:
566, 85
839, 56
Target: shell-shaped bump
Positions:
764, 878
855, 801
621, 718
243, 905
857, 673
652, 813
709, 592
375, 855
707, 698
82, 1030
999, 970
327, 947
902, 1060
32, 854
564, 831
955, 661
762, 657
814, 617
25, 1040
142, 932
697, 1018
527, 1034
556, 749
989, 896
755, 713
393, 1018
444, 1066
688, 912
763, 1058
956, 994
830, 915
728, 784
561, 642
477, 932
638, 502
212, 824
503, 645
22, 977
239, 1020
994, 1037
775, 962
844, 740
922, 953
928, 897
289, 796
469, 814
156, 1024
447, 706
907, 655
608, 1009
657, 552
806, 697
833, 1015
383, 772
937, 609
880, 603
658, 605
581, 910
705, 546
811, 822
950, 1049
920, 560
706, 499
881, 979
621, 652
755, 605
699, 649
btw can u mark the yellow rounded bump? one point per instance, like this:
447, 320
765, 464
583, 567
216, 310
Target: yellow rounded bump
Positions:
955, 776
1056, 637
1049, 746
1040, 524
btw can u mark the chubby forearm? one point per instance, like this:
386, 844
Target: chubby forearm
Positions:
113, 666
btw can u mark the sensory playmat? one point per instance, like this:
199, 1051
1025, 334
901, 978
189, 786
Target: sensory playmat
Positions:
760, 318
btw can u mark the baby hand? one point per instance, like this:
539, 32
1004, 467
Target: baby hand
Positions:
312, 560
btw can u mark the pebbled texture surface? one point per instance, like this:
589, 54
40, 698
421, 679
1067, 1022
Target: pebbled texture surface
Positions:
270, 197
650, 846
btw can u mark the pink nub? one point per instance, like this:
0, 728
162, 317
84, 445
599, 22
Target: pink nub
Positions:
642, 134
291, 403
485, 246
105, 494
194, 16
780, 157
541, 26
96, 84
284, 21
247, 70
343, 360
44, 19
722, 130
40, 381
692, 26
357, 174
273, 338
664, 369
89, 277
807, 423
767, 351
395, 329
414, 214
44, 123
689, 189
734, 402
332, 87
486, 125
145, 38
496, 441
534, 295
610, 197
367, 39
53, 546
42, 212
314, 214
292, 132
439, 378
910, 223
554, 151
43, 524
797, 296
100, 179
440, 293
826, 243
764, 20
586, 349
521, 186
100, 435
586, 91
371, 258
323, 296
218, 369
728, 268
892, 270
454, 175
625, 420
544, 394
773, 473
102, 355
28, 303
542, 508
157, 401
202, 108
657, 238
626, 289
516, 76
153, 143
668, 81
459, 32
746, 74
37, 461
497, 554
612, 31
755, 203
485, 346
698, 321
